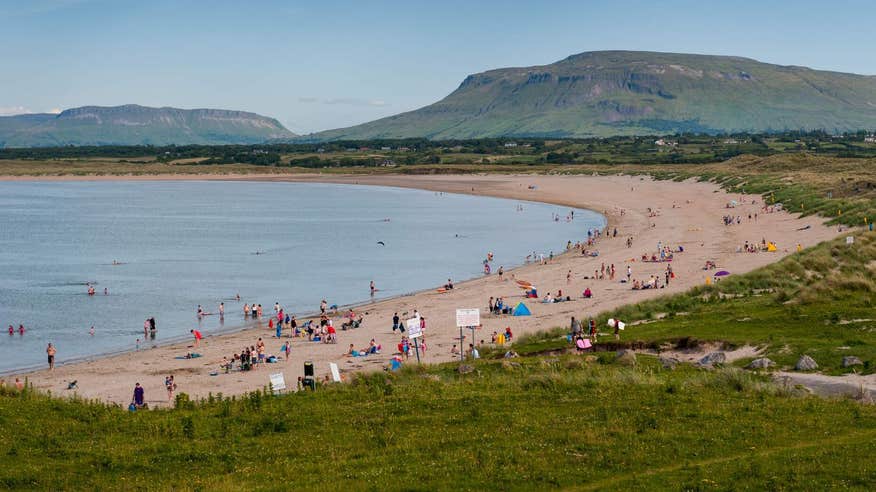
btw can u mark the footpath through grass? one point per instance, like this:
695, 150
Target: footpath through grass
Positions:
527, 423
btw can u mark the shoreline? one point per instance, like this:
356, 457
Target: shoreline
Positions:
110, 378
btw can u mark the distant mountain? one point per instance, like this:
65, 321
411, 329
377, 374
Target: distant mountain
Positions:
605, 93
138, 125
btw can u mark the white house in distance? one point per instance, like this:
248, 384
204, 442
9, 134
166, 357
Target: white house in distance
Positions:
665, 143
510, 144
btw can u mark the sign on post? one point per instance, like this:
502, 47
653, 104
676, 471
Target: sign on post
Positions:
468, 317
414, 330
278, 383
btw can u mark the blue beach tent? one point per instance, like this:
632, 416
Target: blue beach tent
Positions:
521, 310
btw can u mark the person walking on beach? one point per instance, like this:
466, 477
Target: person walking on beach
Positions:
395, 322
50, 352
501, 272
170, 385
629, 273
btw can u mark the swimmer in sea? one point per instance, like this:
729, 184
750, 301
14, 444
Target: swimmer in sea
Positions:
91, 331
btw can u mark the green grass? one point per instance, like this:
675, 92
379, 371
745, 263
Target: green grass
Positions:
819, 302
547, 423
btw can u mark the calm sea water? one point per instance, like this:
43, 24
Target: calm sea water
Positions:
181, 244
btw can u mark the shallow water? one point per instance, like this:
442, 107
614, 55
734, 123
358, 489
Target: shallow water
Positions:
186, 243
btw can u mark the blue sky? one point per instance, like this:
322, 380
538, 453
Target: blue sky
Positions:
326, 64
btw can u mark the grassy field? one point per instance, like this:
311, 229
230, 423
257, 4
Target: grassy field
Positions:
530, 423
820, 302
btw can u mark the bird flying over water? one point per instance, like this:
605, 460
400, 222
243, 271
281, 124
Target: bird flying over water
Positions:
381, 243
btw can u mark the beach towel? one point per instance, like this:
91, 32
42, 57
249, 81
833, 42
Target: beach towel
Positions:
583, 343
190, 356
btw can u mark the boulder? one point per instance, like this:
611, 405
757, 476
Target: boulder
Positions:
806, 363
465, 368
761, 363
626, 357
669, 362
851, 360
713, 358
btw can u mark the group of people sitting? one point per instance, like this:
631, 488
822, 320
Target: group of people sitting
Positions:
651, 283
549, 299
372, 348
249, 358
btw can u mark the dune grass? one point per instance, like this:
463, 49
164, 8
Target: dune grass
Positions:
533, 423
820, 302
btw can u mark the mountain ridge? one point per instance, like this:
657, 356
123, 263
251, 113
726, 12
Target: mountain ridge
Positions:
606, 93
132, 124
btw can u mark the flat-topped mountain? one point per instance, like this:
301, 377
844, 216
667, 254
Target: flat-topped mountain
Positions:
606, 93
138, 125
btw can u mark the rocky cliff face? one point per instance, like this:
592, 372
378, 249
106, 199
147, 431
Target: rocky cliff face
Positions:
622, 92
140, 125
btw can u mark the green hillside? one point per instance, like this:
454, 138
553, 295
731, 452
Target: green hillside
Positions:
138, 125
607, 93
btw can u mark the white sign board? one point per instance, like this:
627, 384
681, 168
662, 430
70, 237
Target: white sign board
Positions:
850, 239
336, 374
414, 329
468, 317
278, 383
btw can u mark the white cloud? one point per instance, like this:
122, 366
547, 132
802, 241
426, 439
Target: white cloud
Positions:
14, 110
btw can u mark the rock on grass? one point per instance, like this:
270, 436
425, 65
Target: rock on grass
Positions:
851, 360
806, 363
761, 363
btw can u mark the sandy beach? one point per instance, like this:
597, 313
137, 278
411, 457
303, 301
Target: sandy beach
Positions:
684, 214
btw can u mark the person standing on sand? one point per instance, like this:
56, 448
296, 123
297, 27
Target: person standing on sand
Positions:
501, 272
50, 352
629, 273
395, 322
139, 396
198, 336
322, 306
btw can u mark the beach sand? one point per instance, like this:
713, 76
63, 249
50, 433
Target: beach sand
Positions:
688, 214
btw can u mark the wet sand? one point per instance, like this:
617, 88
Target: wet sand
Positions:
687, 214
